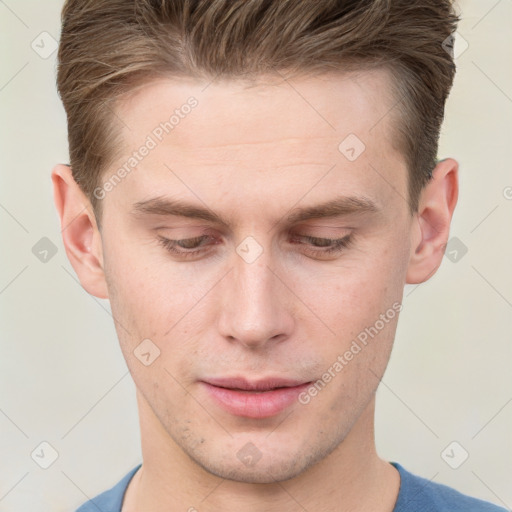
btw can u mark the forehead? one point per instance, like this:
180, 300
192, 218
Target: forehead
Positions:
328, 105
231, 133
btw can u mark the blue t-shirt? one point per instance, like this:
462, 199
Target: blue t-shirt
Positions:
416, 494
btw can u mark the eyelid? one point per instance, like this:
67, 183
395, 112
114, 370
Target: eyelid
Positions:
199, 238
336, 245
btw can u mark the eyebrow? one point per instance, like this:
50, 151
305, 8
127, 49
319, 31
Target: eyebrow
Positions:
337, 207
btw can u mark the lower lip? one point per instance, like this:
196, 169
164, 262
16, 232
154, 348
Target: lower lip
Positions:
255, 404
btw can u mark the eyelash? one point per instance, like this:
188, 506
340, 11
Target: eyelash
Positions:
338, 245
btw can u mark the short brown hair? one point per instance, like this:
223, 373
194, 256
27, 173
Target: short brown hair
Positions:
109, 46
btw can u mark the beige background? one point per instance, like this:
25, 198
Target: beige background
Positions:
62, 376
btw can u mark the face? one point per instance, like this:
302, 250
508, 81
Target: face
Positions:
257, 238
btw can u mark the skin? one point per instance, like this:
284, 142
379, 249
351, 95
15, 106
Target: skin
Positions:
253, 155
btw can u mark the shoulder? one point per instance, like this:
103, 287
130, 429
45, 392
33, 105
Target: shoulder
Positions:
421, 495
111, 499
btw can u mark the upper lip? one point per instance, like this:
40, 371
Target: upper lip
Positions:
253, 385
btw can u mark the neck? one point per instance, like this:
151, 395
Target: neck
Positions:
351, 478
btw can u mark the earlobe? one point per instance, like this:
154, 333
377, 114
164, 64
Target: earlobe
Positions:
431, 228
80, 233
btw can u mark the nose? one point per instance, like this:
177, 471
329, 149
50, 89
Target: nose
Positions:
255, 304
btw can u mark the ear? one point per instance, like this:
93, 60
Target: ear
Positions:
80, 233
432, 224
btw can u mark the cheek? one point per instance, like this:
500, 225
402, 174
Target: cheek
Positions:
141, 290
353, 292
160, 302
359, 300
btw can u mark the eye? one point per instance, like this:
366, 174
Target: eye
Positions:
319, 246
186, 247
193, 247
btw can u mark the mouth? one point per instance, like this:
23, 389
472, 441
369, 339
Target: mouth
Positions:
254, 399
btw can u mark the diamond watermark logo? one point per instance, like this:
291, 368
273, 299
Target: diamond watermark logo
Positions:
249, 455
454, 455
455, 249
146, 352
351, 147
44, 250
44, 45
249, 249
455, 45
44, 455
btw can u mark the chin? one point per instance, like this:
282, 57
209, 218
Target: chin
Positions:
278, 471
273, 464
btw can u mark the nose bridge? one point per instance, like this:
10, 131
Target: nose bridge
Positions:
254, 308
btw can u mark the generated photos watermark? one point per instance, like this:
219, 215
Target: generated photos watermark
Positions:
152, 140
357, 345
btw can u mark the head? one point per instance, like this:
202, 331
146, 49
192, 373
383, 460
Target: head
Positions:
290, 148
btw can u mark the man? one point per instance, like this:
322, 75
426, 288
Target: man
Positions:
251, 185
